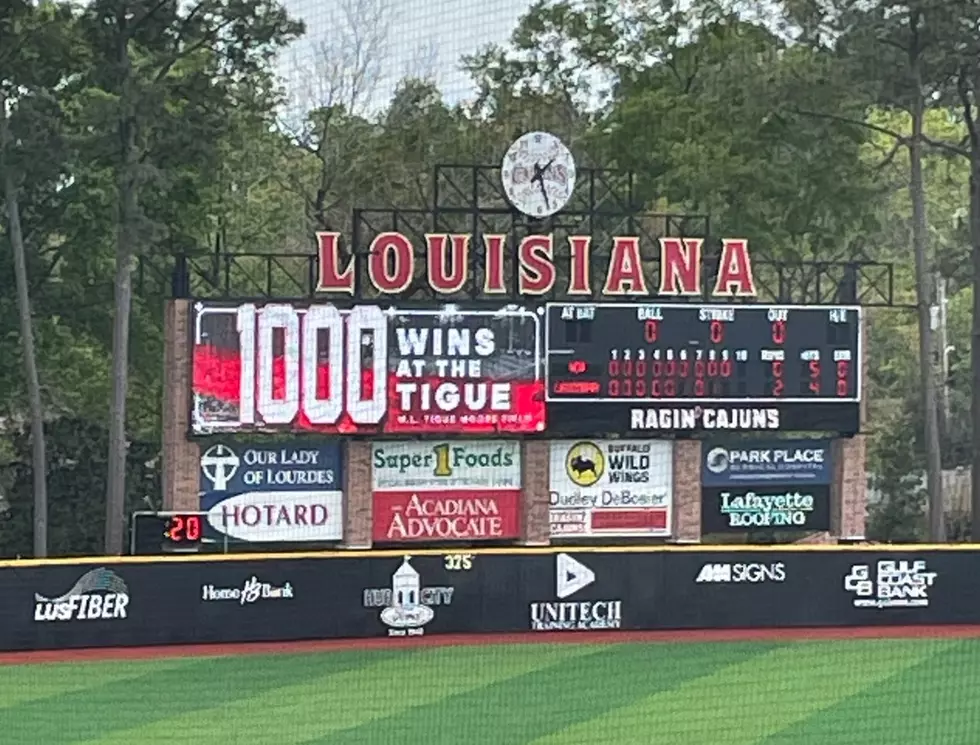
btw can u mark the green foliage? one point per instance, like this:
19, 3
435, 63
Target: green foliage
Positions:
76, 473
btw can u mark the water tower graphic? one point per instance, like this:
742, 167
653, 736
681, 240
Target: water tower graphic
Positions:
406, 609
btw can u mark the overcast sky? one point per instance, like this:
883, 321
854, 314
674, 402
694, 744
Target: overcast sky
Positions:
424, 36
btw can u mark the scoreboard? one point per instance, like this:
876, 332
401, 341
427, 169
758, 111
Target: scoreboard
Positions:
560, 369
745, 367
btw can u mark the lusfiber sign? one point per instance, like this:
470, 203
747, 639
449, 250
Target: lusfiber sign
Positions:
610, 488
446, 491
374, 594
760, 462
368, 369
285, 492
768, 507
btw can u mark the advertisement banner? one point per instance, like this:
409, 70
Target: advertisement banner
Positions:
446, 491
611, 488
366, 369
763, 462
276, 493
118, 602
769, 507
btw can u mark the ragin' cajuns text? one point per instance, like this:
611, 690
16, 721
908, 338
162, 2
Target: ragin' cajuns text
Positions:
391, 266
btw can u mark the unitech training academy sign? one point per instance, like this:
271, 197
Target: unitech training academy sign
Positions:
282, 492
446, 491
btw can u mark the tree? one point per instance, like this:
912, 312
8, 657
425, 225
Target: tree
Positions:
893, 51
164, 75
36, 56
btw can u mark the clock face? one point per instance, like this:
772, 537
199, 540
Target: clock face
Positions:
538, 174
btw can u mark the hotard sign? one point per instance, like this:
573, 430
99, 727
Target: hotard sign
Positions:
284, 492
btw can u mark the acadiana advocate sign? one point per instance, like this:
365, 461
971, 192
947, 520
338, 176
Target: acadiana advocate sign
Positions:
611, 488
284, 492
446, 491
766, 462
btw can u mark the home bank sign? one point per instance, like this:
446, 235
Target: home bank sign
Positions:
277, 493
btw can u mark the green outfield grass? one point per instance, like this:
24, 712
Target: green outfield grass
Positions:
888, 692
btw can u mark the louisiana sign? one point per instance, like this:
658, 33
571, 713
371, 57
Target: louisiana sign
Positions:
446, 491
276, 493
610, 488
369, 369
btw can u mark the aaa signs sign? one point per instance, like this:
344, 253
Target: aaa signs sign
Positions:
611, 488
284, 366
446, 491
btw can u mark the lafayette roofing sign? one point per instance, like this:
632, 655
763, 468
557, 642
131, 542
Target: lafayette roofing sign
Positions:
283, 492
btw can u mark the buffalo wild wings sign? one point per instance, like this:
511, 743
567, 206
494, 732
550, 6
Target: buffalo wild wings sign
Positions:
446, 491
391, 266
611, 488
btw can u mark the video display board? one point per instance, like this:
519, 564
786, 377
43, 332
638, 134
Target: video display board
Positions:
368, 369
558, 369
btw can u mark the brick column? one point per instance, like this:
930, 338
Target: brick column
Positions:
687, 491
851, 477
180, 454
358, 500
536, 466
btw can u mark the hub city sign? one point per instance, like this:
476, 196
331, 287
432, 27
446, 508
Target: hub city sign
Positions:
284, 492
446, 491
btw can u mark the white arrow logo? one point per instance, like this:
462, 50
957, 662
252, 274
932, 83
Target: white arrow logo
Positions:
571, 576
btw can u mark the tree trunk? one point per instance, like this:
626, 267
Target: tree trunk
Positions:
128, 201
975, 340
924, 300
39, 459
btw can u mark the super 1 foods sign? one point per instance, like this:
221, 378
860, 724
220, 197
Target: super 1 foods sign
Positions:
446, 491
766, 485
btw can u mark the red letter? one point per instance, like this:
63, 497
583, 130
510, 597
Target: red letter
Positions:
440, 279
398, 249
536, 271
493, 282
328, 279
735, 269
625, 269
680, 266
579, 280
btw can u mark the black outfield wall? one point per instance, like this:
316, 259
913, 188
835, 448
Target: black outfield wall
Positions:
113, 602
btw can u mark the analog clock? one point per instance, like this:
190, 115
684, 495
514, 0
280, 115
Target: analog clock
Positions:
538, 174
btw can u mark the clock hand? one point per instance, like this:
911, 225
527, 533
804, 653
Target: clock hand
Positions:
544, 193
538, 173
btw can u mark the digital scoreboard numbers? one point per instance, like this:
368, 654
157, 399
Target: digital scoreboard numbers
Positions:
734, 367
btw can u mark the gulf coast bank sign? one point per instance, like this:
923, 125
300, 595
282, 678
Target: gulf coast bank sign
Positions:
279, 492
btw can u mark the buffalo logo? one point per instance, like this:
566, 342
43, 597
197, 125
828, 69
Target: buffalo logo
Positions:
585, 463
717, 460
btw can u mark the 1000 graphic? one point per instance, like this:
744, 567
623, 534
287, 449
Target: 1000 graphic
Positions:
366, 370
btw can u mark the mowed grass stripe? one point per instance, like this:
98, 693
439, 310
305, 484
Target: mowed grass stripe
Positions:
936, 701
158, 695
517, 710
748, 701
342, 700
25, 682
